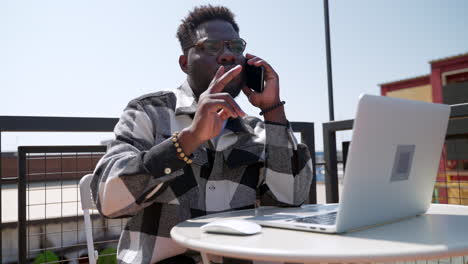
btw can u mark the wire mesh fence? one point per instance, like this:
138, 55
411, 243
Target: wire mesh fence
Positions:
50, 220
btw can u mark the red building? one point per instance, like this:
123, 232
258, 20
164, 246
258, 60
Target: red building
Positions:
446, 83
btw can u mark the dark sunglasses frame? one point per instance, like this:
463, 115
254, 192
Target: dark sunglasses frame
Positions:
201, 44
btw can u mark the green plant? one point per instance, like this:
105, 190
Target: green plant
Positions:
110, 256
45, 257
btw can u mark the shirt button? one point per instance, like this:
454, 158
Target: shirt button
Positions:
167, 170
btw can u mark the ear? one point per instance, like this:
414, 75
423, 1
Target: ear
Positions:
183, 63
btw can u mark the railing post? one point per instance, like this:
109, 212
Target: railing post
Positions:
1, 190
331, 164
331, 160
345, 148
308, 138
22, 225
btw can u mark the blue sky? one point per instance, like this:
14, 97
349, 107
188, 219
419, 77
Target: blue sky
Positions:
89, 58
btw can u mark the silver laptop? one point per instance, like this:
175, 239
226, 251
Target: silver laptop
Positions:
390, 172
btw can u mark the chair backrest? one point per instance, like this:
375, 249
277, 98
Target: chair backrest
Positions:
87, 204
85, 192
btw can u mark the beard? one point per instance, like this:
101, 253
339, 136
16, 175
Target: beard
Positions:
234, 87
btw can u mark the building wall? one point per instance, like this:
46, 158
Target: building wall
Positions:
419, 93
448, 69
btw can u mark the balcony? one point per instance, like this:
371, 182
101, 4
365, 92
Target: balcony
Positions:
39, 184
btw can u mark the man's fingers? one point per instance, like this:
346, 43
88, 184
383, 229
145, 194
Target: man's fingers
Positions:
221, 107
251, 95
247, 91
228, 99
228, 76
249, 56
219, 83
252, 60
219, 72
260, 62
256, 61
224, 115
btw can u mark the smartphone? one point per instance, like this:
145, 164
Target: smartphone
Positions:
254, 77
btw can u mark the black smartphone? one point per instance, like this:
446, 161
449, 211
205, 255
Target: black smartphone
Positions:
254, 77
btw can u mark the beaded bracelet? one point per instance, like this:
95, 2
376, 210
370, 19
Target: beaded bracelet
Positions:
180, 153
272, 107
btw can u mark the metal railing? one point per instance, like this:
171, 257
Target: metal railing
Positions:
47, 124
458, 126
40, 202
77, 124
308, 137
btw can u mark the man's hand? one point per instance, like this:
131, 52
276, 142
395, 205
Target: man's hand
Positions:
214, 107
270, 95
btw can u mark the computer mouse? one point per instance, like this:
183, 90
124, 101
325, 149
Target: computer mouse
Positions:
232, 227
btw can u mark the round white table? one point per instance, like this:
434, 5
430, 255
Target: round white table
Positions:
440, 233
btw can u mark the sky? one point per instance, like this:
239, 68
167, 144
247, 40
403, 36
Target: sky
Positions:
89, 58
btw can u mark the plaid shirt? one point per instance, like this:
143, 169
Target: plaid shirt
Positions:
140, 175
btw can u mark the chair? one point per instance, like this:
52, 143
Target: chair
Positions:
87, 204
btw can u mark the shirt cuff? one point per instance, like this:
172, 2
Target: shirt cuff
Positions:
278, 124
162, 159
280, 135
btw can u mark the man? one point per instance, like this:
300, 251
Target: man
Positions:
219, 159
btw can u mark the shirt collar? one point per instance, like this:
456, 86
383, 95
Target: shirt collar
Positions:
186, 103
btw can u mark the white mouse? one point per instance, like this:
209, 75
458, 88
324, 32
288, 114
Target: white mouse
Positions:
233, 227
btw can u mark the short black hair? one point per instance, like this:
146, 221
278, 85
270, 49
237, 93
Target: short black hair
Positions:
199, 15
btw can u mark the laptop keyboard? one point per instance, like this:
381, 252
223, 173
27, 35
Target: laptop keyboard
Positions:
323, 219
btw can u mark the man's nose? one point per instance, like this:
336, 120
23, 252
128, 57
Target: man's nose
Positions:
226, 57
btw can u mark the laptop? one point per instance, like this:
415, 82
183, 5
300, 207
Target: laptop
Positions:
390, 172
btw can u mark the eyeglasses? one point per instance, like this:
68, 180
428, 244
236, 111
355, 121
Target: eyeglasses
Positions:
214, 46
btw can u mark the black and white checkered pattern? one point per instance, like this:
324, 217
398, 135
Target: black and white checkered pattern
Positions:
140, 175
